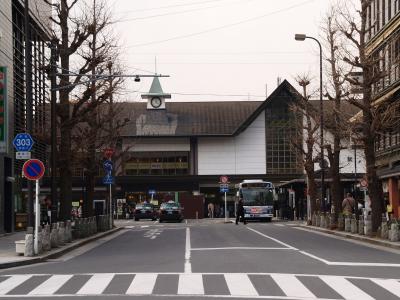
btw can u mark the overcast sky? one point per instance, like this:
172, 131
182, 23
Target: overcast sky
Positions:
221, 47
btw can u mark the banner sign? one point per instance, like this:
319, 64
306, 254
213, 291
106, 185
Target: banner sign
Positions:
3, 109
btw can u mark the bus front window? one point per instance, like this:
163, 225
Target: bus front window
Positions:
257, 197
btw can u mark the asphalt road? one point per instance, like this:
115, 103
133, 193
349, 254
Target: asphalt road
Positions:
207, 260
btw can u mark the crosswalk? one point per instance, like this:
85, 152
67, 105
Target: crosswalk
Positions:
214, 285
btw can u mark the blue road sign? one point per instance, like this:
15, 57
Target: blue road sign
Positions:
108, 179
108, 165
23, 142
224, 190
152, 192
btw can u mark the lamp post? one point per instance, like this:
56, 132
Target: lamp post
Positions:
302, 37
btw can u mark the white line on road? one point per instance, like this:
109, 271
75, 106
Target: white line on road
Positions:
51, 285
240, 285
96, 284
144, 226
280, 225
292, 287
12, 282
191, 284
345, 288
142, 284
188, 265
345, 263
241, 248
271, 238
391, 285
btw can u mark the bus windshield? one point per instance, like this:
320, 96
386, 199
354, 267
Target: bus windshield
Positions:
257, 197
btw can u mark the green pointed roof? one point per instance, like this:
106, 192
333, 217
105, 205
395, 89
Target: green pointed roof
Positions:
156, 90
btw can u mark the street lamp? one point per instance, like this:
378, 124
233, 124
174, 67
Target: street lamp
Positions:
302, 37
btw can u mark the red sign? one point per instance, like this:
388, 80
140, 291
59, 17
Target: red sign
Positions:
33, 169
108, 152
224, 179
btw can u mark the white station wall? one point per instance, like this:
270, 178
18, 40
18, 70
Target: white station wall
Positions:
243, 154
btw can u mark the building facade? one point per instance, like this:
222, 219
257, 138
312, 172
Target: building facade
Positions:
16, 113
384, 43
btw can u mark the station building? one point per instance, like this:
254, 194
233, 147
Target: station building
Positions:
179, 150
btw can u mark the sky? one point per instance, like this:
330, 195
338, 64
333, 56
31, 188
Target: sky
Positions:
219, 50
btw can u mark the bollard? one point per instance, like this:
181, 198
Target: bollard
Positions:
40, 240
317, 221
361, 226
368, 226
384, 229
61, 231
394, 233
54, 235
340, 222
347, 224
353, 224
29, 245
46, 238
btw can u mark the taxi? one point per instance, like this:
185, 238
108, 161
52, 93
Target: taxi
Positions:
171, 211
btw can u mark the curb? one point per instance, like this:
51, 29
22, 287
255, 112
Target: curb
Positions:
354, 237
57, 252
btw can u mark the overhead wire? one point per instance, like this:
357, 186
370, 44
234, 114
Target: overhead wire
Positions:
222, 27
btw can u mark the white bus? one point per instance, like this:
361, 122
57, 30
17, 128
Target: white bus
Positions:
258, 199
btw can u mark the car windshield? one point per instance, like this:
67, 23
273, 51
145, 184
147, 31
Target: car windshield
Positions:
144, 205
257, 197
170, 205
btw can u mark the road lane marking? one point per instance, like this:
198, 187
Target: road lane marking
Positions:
240, 285
271, 238
292, 287
142, 284
390, 285
96, 284
280, 225
144, 226
190, 284
51, 285
345, 263
188, 265
12, 282
345, 288
240, 248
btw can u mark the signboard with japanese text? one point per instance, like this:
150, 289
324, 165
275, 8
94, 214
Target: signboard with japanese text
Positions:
3, 109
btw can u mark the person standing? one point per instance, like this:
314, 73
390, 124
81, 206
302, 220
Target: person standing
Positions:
240, 212
348, 205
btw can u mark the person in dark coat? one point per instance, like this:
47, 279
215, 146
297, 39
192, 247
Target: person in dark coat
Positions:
240, 212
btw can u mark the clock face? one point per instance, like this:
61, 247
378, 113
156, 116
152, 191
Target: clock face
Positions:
156, 102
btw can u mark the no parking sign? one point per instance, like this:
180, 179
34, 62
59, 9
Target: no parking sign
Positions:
33, 169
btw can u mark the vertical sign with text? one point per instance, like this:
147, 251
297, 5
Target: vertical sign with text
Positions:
3, 109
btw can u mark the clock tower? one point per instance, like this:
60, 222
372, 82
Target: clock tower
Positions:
156, 96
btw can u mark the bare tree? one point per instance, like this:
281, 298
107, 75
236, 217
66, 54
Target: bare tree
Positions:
307, 142
72, 28
355, 29
335, 121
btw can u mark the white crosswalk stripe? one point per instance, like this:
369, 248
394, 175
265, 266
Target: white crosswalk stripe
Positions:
243, 285
51, 285
291, 286
142, 284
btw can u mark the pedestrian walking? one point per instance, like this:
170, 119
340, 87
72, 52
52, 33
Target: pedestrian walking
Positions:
240, 212
348, 205
210, 210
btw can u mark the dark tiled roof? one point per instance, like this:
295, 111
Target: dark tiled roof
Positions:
187, 118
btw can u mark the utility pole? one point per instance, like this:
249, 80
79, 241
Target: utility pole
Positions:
28, 100
53, 83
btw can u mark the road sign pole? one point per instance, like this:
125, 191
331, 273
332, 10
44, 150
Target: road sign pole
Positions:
226, 210
37, 219
111, 215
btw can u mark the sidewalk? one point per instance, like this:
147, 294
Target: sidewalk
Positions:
9, 258
354, 236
